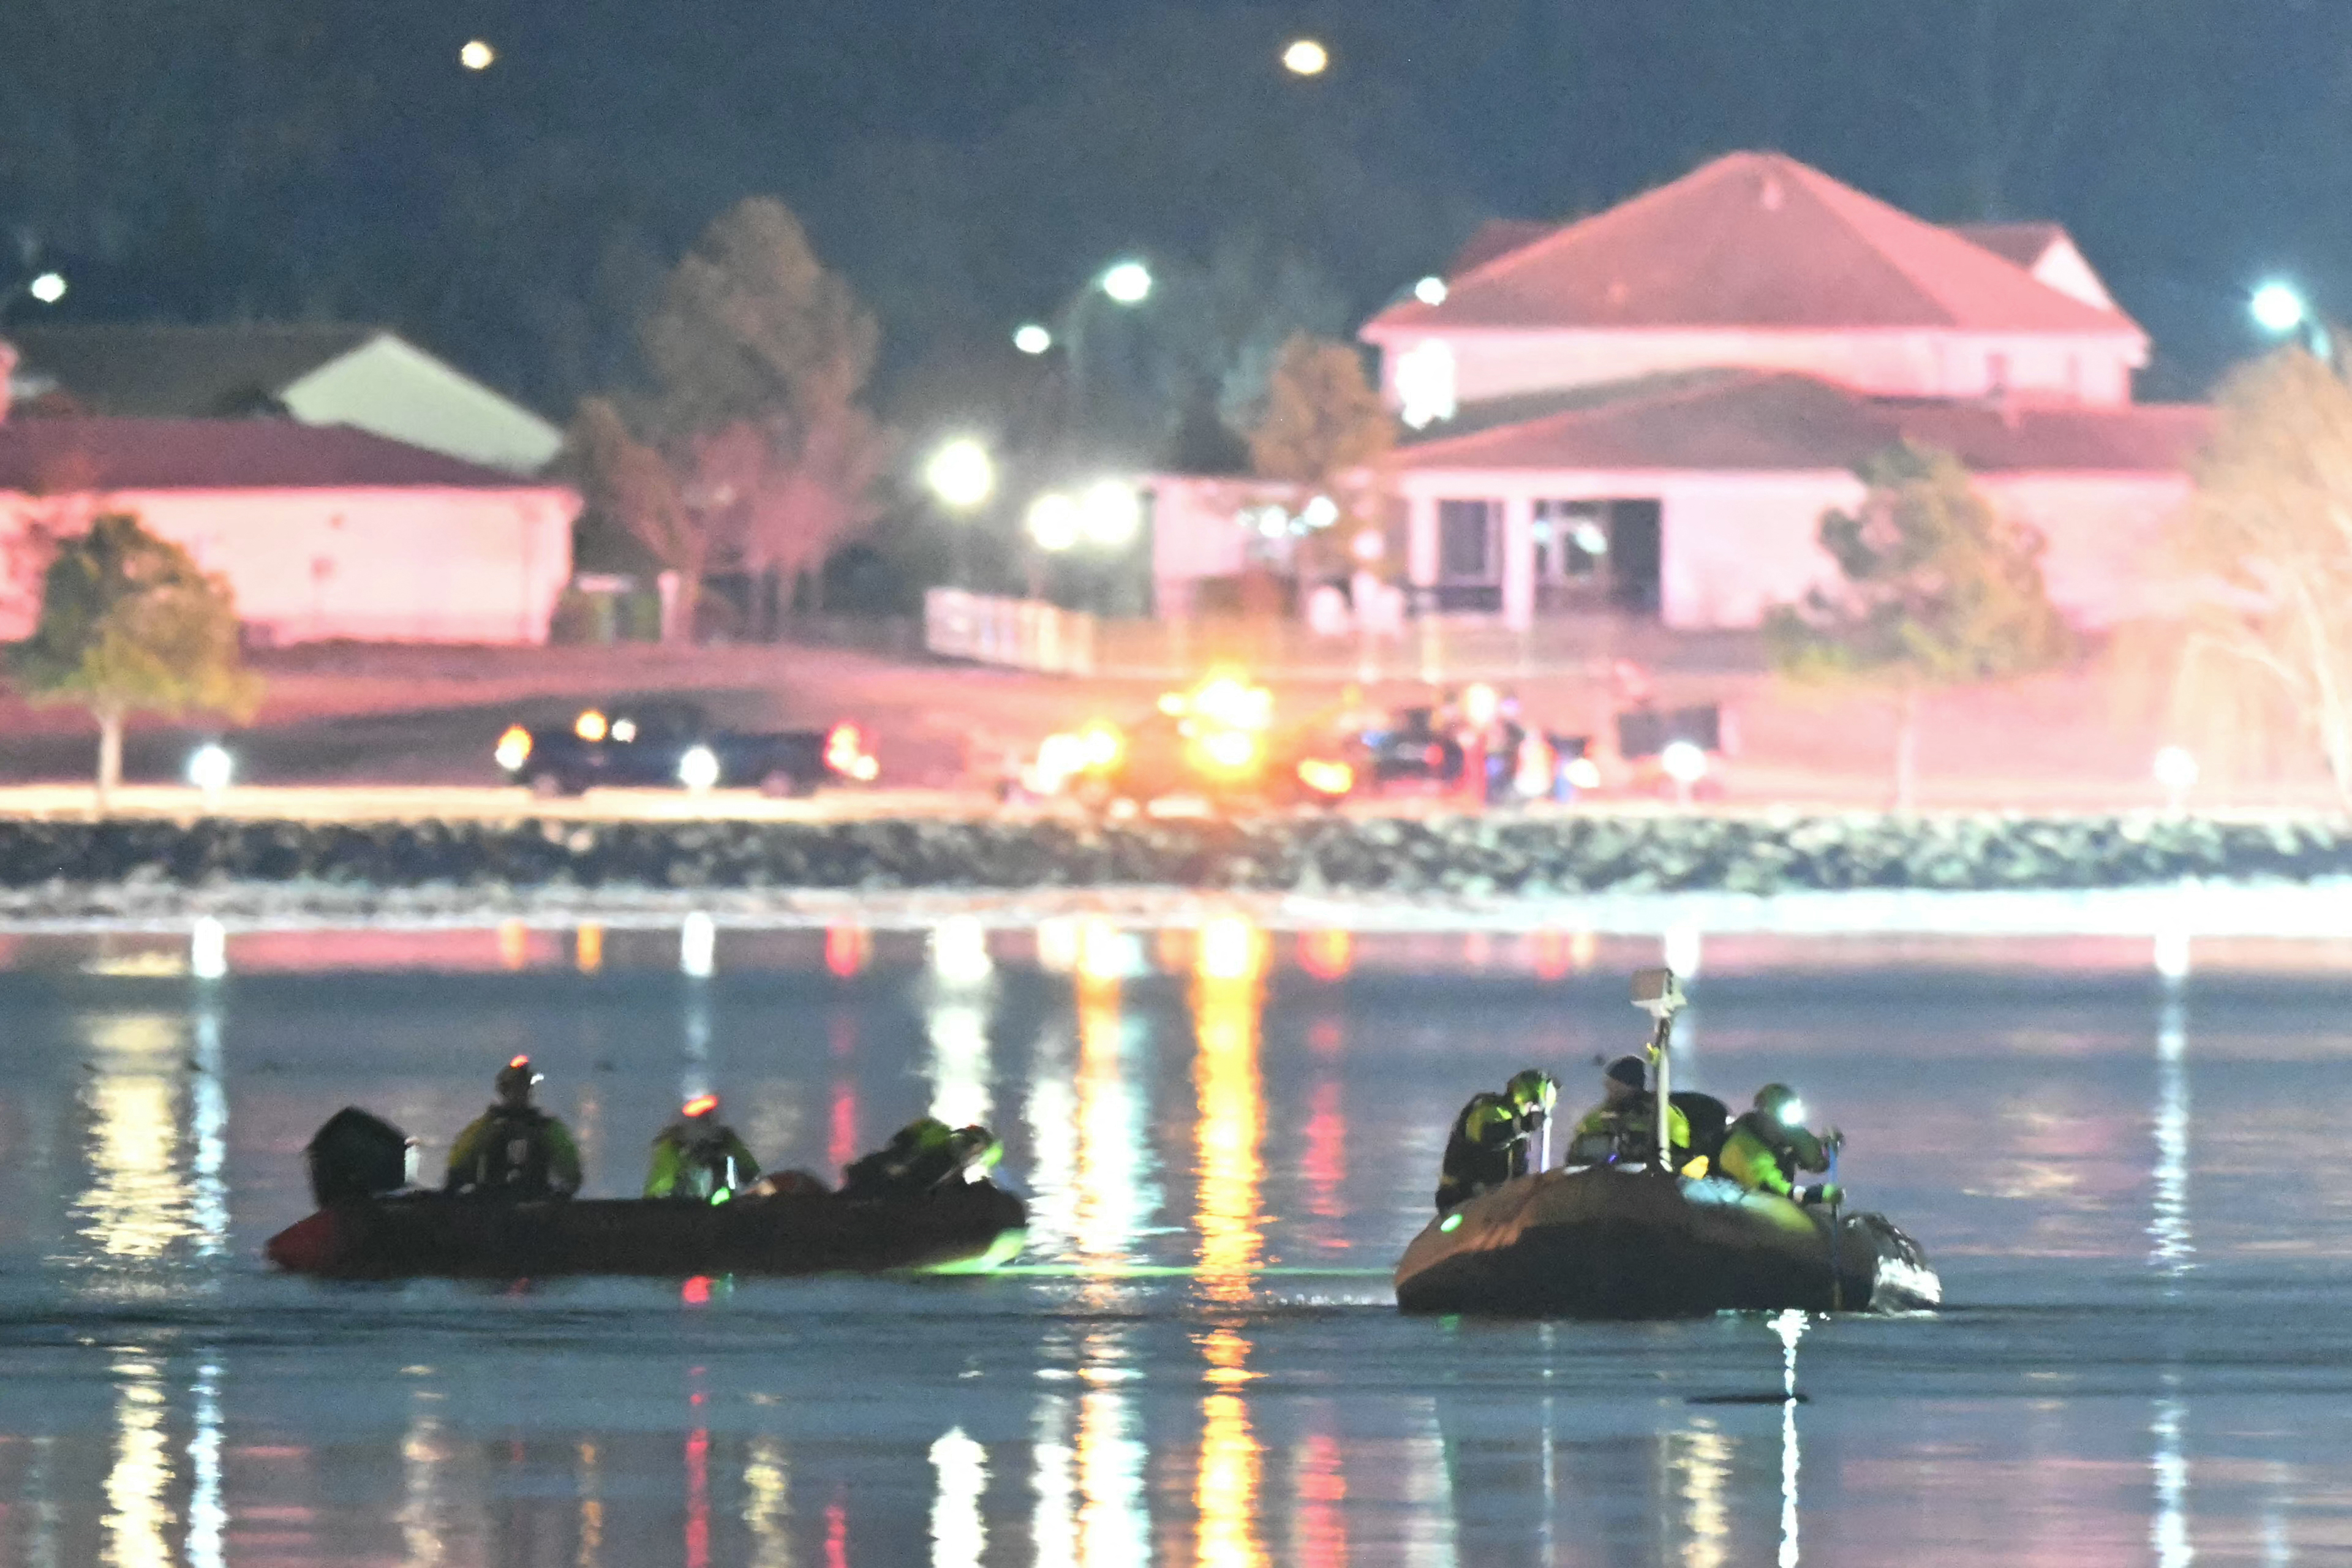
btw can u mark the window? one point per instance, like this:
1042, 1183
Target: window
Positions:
1571, 539
1465, 541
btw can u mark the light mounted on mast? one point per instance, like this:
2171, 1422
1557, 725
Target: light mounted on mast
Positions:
1657, 992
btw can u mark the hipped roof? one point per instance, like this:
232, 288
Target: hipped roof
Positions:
1753, 240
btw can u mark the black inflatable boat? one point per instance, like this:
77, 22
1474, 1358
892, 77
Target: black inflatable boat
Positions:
371, 1224
1634, 1239
1609, 1242
965, 1229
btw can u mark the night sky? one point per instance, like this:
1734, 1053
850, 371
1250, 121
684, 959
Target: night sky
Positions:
970, 165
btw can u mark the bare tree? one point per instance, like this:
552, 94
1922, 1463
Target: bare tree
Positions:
2269, 539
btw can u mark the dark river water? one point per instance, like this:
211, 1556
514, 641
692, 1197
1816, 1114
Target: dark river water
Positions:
2136, 1189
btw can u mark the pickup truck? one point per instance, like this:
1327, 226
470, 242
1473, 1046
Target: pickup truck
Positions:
674, 744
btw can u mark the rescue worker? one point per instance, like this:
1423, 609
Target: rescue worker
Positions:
1488, 1143
514, 1150
1769, 1143
1623, 1128
924, 1154
699, 1157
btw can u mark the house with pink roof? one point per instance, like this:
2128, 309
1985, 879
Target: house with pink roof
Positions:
323, 531
1650, 409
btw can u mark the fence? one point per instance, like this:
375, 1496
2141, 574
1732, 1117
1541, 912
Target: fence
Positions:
1024, 634
1019, 634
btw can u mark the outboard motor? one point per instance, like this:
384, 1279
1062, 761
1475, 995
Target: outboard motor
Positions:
358, 1155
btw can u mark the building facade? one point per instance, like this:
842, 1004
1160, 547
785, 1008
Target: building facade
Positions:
322, 533
1650, 409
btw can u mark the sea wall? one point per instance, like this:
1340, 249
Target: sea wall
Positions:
45, 863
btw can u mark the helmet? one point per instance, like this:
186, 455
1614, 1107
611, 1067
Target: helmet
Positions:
1631, 1071
700, 1105
1531, 1089
516, 1077
1780, 1102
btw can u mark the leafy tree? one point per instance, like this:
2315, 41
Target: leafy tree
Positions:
1324, 427
2269, 536
128, 623
1939, 590
760, 358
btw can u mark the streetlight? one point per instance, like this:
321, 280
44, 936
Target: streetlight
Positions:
476, 55
1430, 290
1110, 514
42, 288
1032, 338
2279, 308
1054, 522
961, 474
1305, 57
1127, 283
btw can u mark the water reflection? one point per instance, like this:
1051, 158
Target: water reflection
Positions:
207, 1508
958, 1534
1790, 1327
1115, 1199
956, 1023
137, 1484
1225, 1010
138, 1203
767, 1503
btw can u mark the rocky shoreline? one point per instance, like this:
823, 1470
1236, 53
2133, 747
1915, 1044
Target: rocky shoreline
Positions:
52, 867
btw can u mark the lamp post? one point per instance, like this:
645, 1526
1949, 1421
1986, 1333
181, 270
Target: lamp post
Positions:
2281, 310
42, 288
961, 476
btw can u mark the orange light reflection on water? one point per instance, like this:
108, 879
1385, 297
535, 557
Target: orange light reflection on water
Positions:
1327, 956
1227, 995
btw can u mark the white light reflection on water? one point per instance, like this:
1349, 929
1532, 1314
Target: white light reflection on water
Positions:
138, 1205
1790, 1326
2169, 1533
956, 1022
767, 1503
1428, 1494
208, 1113
2174, 1246
697, 946
208, 949
1114, 1519
207, 1513
958, 1534
1702, 1455
139, 1482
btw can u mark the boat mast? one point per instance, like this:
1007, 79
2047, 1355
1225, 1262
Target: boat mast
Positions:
1656, 992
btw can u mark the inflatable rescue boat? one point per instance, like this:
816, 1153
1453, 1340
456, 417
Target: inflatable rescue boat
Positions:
1612, 1242
1630, 1238
371, 1225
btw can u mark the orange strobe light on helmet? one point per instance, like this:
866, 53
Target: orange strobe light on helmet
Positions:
700, 1105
